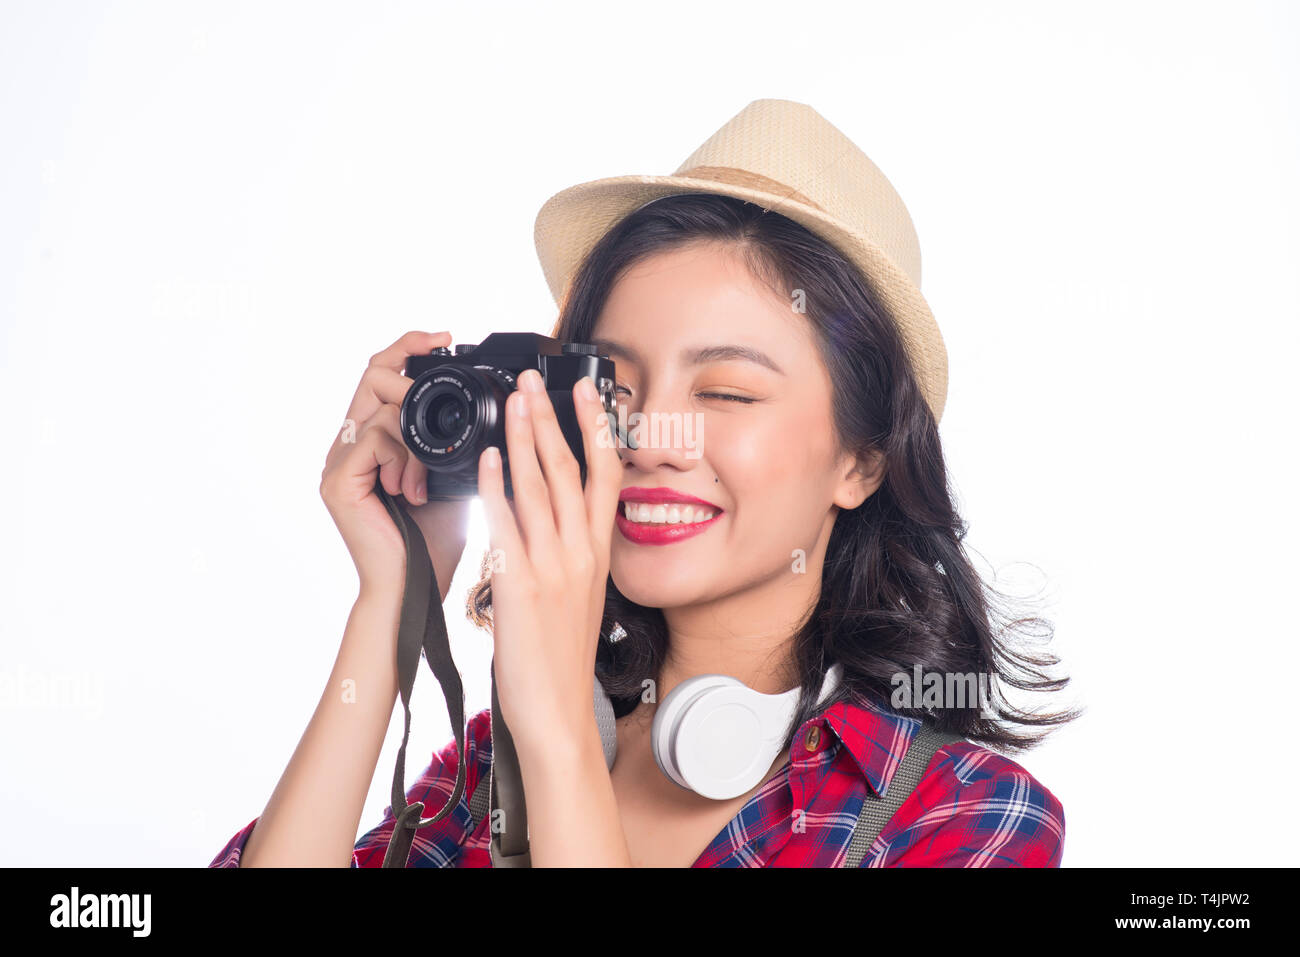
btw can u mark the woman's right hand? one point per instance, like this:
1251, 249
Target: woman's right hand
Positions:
369, 444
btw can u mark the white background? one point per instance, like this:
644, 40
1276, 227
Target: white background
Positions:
211, 215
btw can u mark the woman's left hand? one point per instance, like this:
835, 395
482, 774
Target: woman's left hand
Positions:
550, 560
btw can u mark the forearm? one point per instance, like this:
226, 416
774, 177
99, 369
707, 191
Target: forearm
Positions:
573, 818
312, 817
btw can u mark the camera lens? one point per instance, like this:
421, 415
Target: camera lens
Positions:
451, 412
445, 418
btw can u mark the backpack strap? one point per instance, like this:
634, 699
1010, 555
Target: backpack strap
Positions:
478, 802
876, 809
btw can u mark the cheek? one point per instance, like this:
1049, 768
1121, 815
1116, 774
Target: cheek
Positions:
769, 470
749, 461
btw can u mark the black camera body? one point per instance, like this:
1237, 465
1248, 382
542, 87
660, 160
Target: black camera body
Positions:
456, 405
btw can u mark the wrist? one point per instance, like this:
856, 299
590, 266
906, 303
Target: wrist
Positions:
563, 746
382, 589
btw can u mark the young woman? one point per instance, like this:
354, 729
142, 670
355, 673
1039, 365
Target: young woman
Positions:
796, 517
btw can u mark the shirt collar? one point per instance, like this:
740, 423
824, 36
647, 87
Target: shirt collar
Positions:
874, 735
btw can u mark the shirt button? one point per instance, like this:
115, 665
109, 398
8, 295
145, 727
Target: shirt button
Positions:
813, 736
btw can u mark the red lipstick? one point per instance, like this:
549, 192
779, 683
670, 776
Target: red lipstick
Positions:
662, 496
642, 533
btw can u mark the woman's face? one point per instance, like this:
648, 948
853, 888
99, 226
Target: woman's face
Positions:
754, 442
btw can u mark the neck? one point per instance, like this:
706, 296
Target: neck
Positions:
747, 635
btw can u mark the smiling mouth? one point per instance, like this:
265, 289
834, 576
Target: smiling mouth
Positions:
666, 514
688, 521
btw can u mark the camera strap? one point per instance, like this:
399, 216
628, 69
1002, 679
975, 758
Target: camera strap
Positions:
422, 625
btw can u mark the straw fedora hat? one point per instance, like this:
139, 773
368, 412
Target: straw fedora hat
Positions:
783, 156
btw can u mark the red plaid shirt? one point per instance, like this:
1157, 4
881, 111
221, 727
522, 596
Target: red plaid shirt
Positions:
972, 808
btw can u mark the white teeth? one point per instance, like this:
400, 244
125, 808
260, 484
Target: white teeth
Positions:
672, 514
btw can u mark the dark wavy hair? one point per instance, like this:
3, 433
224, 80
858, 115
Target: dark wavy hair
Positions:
897, 588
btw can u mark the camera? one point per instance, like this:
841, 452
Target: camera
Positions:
456, 405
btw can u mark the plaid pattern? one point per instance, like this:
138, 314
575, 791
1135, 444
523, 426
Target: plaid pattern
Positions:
972, 808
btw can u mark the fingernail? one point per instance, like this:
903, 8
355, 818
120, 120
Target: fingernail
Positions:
420, 494
521, 404
493, 457
531, 380
587, 388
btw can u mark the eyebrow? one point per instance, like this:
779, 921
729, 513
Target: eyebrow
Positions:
696, 356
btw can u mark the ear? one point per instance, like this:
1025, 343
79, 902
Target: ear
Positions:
861, 476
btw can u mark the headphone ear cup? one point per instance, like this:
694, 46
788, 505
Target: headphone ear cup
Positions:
668, 717
728, 737
716, 736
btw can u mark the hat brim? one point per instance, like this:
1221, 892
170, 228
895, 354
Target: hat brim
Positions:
572, 221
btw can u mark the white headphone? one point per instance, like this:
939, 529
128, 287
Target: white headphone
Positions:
713, 734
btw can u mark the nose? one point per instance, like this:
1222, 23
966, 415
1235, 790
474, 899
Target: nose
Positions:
667, 434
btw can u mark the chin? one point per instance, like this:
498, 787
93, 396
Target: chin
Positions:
659, 582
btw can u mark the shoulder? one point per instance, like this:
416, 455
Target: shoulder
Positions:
975, 807
972, 807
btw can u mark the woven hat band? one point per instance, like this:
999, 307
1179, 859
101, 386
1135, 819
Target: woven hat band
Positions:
748, 179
